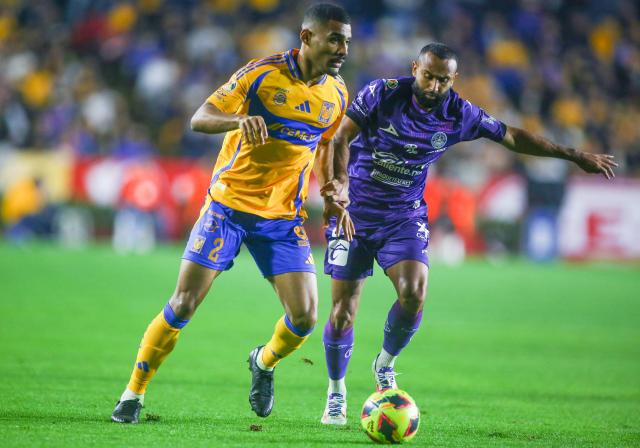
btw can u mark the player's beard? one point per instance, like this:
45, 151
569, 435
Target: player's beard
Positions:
425, 101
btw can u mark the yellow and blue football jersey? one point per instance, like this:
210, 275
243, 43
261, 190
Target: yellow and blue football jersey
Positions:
272, 180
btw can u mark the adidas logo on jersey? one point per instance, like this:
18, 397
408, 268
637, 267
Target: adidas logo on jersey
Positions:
303, 107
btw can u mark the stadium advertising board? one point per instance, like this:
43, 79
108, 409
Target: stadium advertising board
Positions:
601, 220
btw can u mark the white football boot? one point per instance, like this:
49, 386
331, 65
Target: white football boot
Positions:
385, 377
335, 413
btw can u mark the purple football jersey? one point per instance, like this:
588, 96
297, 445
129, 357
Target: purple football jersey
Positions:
398, 141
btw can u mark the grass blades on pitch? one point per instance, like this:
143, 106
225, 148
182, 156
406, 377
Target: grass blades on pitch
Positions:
508, 355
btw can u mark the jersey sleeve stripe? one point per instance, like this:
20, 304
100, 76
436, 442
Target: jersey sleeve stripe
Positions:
252, 64
265, 59
248, 69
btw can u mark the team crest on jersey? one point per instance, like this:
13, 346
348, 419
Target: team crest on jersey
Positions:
198, 243
326, 111
230, 86
439, 140
391, 83
280, 97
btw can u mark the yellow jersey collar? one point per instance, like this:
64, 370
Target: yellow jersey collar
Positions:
290, 57
291, 62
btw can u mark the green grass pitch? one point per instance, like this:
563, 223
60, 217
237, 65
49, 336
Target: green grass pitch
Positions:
508, 355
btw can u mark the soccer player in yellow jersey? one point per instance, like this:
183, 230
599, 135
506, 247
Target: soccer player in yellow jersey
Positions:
278, 112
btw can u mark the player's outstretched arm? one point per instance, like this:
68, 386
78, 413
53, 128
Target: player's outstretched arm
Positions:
211, 120
524, 142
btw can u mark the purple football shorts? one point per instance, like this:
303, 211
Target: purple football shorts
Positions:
388, 242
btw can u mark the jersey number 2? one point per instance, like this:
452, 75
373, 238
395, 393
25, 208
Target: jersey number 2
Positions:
217, 245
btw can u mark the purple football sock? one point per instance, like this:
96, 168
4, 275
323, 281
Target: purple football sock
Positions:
338, 345
399, 328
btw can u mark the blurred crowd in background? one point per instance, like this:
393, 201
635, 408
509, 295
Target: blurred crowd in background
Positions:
122, 78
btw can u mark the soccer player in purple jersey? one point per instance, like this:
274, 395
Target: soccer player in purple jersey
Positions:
393, 130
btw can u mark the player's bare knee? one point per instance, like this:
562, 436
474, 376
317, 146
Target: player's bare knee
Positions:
184, 304
412, 296
343, 315
412, 292
343, 321
304, 321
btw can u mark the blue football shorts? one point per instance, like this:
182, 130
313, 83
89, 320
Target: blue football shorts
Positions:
278, 246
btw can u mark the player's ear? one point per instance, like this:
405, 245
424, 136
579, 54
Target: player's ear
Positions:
414, 68
305, 36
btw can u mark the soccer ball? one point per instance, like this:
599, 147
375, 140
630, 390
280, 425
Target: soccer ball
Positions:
390, 416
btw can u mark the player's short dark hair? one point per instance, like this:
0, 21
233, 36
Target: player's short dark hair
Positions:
440, 50
324, 12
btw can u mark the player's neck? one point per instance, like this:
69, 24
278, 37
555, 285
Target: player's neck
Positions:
309, 74
420, 107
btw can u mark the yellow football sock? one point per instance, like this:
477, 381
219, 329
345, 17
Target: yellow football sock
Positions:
285, 340
158, 341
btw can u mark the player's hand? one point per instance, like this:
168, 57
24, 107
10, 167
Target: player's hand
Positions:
254, 129
344, 224
597, 163
337, 191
